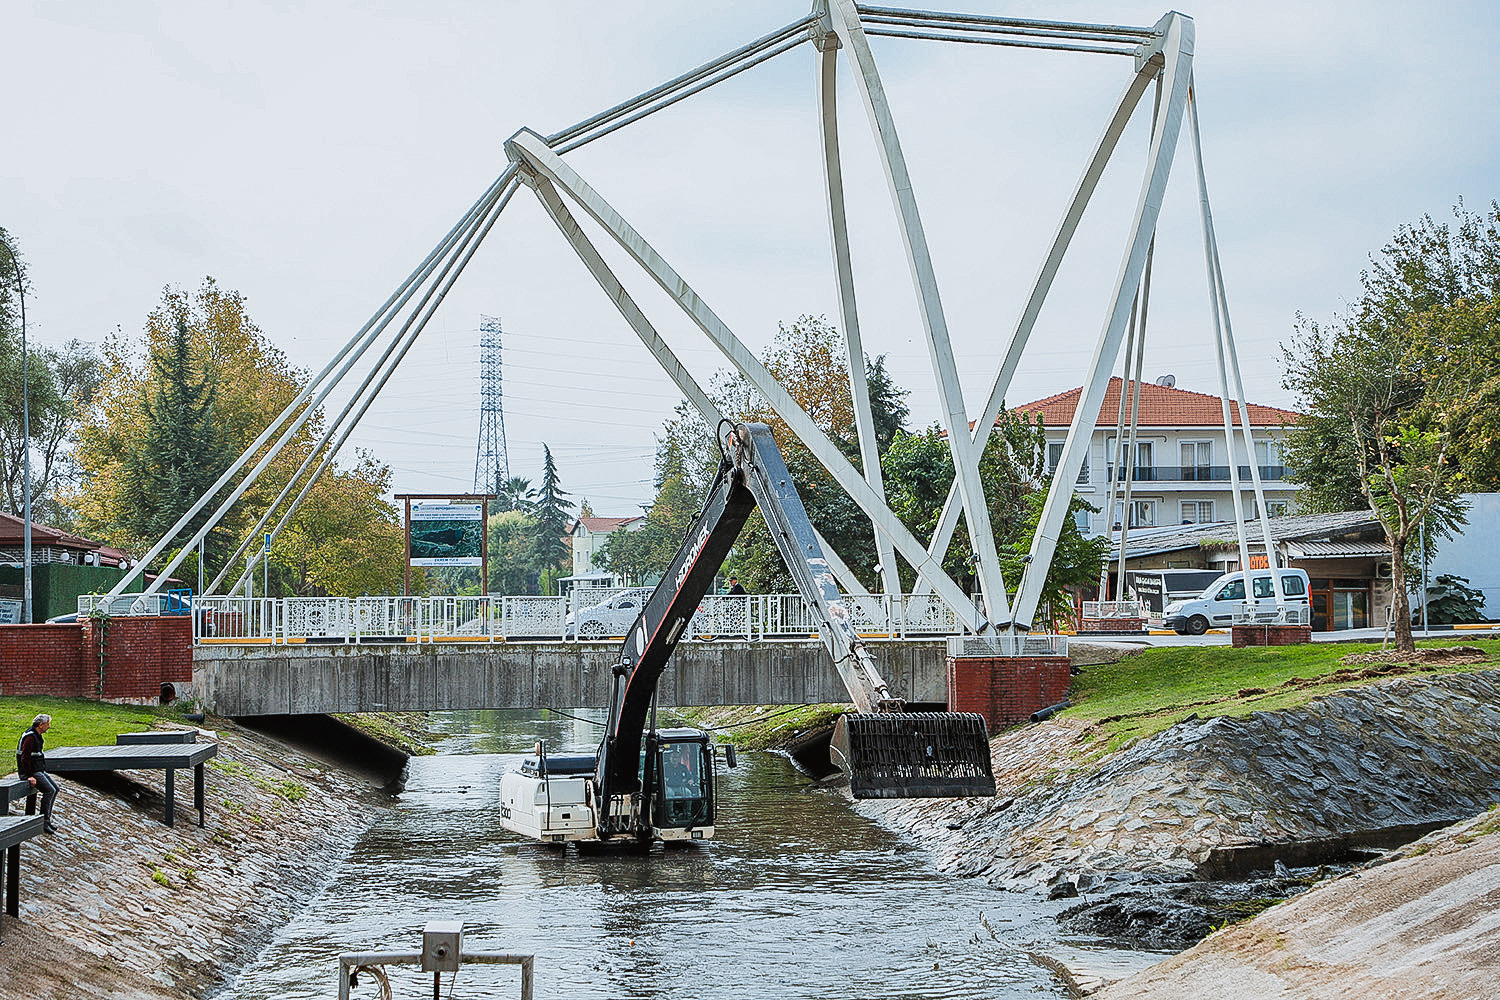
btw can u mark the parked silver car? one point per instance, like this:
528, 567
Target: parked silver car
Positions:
611, 618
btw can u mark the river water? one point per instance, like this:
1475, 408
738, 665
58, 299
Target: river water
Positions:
797, 897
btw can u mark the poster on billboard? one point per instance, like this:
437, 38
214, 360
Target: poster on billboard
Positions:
446, 534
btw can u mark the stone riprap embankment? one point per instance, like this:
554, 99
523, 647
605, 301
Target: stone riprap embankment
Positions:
1425, 926
1211, 797
119, 905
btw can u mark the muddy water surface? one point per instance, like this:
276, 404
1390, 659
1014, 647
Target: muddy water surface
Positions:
798, 896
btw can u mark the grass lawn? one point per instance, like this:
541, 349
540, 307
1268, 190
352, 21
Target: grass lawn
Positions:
1144, 694
77, 721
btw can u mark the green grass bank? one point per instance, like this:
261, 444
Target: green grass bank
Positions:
1145, 693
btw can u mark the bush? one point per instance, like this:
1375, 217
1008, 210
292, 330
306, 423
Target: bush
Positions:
1451, 601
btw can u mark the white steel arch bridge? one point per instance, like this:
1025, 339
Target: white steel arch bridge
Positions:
1158, 60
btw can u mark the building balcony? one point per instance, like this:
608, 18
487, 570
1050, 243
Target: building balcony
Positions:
1196, 473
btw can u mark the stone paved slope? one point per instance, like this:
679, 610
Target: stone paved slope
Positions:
118, 905
1425, 926
1393, 754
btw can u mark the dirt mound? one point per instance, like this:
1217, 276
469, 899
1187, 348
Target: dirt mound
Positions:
1446, 656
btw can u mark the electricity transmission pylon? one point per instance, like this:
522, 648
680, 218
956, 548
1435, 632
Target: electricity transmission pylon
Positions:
491, 464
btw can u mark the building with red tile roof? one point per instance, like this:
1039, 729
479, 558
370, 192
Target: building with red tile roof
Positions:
589, 535
1181, 468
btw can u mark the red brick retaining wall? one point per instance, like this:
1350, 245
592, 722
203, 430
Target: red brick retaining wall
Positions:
1269, 635
140, 655
43, 659
1006, 689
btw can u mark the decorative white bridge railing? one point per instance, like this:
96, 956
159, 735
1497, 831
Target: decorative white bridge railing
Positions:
1113, 609
503, 618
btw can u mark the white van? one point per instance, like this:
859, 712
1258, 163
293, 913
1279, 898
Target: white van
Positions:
1216, 606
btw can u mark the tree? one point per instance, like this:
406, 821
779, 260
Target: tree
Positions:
642, 555
344, 540
180, 451
510, 542
552, 512
515, 493
172, 411
60, 384
919, 471
1393, 386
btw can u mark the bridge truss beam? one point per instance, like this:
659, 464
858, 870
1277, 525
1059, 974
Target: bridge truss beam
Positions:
1162, 54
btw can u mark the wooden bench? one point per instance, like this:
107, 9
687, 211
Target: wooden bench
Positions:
15, 830
157, 736
14, 788
169, 757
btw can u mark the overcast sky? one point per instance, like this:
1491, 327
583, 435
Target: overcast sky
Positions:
309, 154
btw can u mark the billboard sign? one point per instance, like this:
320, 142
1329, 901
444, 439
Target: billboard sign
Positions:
446, 534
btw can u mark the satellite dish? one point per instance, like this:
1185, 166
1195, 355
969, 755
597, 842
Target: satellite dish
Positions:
1168, 381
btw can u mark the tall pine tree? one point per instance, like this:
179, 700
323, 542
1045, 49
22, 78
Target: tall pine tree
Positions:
552, 511
181, 452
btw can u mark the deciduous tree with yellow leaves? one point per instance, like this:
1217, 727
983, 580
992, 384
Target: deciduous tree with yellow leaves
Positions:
176, 405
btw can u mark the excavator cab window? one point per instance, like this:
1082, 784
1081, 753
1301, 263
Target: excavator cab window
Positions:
684, 794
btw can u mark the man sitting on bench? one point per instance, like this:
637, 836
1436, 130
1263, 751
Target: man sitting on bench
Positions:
31, 764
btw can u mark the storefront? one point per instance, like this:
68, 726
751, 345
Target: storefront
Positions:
1345, 556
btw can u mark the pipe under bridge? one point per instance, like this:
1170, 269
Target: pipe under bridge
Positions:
309, 678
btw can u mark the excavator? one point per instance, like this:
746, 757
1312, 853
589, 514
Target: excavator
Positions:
647, 784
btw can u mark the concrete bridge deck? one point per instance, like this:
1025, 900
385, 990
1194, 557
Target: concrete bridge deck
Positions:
313, 678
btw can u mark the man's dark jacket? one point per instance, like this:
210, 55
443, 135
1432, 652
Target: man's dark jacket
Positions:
29, 756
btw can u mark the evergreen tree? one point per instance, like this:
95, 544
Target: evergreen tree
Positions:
181, 450
552, 511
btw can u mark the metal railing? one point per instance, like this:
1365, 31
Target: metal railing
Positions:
169, 603
1195, 473
1008, 644
1266, 613
509, 618
1113, 609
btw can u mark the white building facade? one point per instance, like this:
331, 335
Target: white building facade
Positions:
1181, 473
589, 536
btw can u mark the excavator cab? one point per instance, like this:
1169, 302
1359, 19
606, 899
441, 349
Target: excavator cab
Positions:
680, 766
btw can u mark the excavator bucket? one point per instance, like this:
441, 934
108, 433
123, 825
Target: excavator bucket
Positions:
907, 755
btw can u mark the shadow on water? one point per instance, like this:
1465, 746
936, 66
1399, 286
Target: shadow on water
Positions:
798, 897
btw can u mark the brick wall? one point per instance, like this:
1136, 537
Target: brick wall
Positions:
1006, 689
43, 659
1269, 635
140, 655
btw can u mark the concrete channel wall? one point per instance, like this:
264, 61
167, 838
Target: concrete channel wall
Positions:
306, 678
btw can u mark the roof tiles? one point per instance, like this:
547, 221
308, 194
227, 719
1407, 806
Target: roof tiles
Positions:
1160, 407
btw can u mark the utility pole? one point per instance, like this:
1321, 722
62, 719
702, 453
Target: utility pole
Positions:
26, 619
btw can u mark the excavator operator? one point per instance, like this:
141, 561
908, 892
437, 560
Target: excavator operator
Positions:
680, 772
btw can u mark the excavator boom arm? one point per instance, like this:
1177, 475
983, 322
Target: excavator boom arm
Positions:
754, 474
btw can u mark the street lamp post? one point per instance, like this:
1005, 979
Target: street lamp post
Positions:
15, 264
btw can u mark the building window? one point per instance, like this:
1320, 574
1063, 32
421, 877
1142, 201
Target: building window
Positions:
1081, 518
1144, 460
1197, 511
1197, 460
1054, 459
1274, 508
1142, 513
